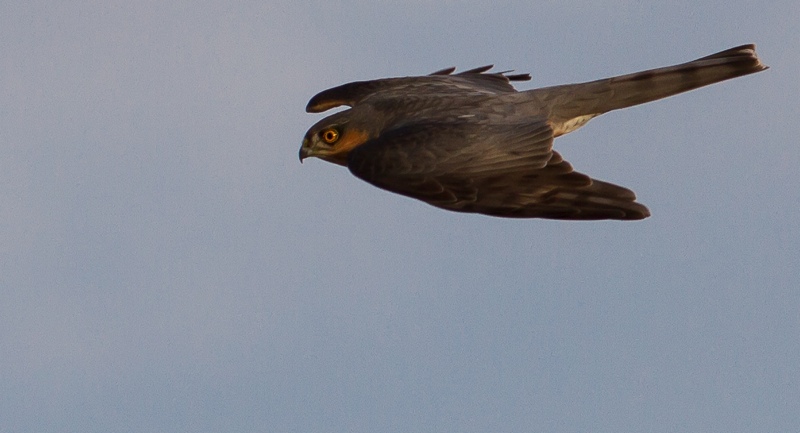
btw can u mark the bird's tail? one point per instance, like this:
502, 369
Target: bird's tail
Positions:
596, 97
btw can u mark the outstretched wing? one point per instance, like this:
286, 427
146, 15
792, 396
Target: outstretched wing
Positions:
440, 83
499, 170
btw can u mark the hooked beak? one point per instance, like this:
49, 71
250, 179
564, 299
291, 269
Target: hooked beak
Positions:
305, 150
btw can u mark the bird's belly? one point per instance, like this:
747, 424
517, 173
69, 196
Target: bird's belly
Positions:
569, 125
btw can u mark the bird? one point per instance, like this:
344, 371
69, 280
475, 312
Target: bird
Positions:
470, 142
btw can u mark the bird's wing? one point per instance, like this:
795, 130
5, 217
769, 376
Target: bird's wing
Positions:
500, 170
442, 83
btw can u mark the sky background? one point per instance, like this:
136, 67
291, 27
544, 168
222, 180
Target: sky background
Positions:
169, 266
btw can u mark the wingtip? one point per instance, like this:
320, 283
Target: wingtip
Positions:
445, 71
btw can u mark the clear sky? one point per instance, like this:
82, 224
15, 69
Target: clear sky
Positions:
168, 265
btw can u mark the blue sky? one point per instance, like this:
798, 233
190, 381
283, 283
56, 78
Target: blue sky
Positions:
168, 265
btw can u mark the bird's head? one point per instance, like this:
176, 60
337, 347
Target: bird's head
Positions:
333, 137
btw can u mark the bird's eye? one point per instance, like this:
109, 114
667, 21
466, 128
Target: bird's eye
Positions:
330, 135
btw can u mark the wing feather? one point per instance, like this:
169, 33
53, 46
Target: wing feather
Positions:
440, 83
500, 170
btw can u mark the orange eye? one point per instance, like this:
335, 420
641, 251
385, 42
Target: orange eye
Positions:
330, 135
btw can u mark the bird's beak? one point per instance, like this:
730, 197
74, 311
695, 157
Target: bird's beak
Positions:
305, 150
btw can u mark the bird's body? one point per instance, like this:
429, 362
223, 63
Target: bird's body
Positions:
470, 142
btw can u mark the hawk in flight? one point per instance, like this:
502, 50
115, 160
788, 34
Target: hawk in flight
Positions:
469, 142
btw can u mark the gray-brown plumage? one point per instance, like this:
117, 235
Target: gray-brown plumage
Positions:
470, 142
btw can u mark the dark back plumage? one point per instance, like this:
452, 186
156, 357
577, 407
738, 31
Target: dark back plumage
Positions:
440, 83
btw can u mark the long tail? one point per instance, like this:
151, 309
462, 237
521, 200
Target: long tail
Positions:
572, 102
